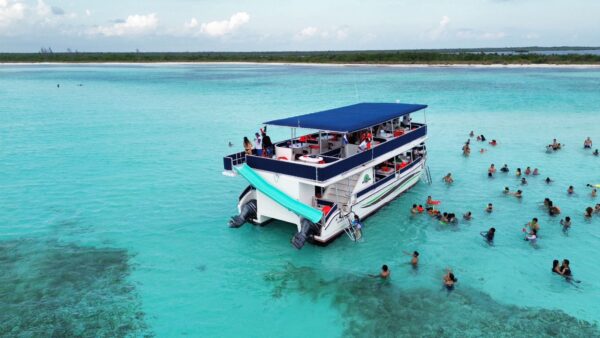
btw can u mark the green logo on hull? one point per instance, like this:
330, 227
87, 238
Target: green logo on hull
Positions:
367, 178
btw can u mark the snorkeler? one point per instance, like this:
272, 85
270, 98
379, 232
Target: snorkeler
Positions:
504, 169
489, 235
566, 224
449, 280
489, 208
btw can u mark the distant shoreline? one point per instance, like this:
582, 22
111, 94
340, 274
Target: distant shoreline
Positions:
313, 64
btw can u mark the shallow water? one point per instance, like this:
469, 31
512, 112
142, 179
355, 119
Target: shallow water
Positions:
113, 208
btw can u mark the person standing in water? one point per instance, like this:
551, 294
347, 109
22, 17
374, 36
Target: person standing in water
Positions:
489, 235
566, 224
449, 280
384, 274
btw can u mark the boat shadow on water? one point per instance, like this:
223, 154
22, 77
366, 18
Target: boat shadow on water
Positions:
375, 308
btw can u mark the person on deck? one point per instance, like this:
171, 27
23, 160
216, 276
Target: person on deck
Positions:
267, 144
247, 146
258, 144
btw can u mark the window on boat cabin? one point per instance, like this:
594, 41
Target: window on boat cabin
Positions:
384, 169
403, 160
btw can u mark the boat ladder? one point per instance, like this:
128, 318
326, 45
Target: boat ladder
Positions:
427, 176
349, 230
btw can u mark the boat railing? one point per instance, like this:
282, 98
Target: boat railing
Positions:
325, 171
387, 179
233, 160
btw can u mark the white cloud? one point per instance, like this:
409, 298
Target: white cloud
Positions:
471, 34
440, 30
220, 28
307, 32
193, 23
10, 11
333, 33
531, 36
134, 25
88, 12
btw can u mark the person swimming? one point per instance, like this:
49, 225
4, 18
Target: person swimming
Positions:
504, 169
468, 216
594, 193
448, 178
528, 171
566, 224
414, 261
489, 208
571, 190
552, 209
556, 267
492, 169
506, 190
414, 209
596, 153
420, 209
534, 225
518, 194
471, 134
531, 237
565, 269
523, 181
449, 280
548, 180
535, 172
588, 212
493, 143
518, 172
384, 274
489, 235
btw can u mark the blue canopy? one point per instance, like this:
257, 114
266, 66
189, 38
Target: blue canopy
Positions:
350, 118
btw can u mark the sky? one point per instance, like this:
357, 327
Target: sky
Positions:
270, 25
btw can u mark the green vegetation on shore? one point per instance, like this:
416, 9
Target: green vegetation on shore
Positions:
438, 57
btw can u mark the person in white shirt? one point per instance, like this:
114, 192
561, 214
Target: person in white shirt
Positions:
258, 144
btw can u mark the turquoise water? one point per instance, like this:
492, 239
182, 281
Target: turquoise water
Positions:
113, 209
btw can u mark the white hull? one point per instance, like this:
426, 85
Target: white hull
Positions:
368, 204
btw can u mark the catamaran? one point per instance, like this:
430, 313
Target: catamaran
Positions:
351, 162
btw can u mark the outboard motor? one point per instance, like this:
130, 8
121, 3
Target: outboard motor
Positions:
307, 229
247, 212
